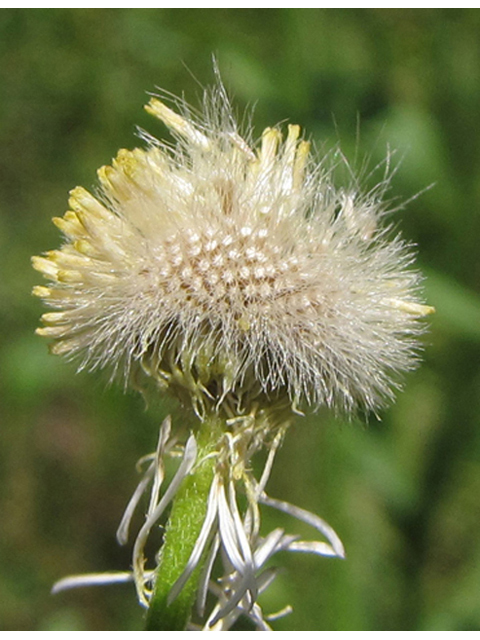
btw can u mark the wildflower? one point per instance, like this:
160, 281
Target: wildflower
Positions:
226, 272
241, 280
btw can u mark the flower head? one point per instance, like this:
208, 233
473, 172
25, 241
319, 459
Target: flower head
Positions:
225, 270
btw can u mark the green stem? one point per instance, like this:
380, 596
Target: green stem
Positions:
182, 530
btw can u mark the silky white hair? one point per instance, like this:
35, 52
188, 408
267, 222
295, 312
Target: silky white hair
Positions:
245, 257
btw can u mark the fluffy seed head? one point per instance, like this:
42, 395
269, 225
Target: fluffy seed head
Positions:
225, 270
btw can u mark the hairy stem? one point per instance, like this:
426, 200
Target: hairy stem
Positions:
182, 530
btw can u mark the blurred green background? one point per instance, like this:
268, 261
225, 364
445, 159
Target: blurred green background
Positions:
403, 492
